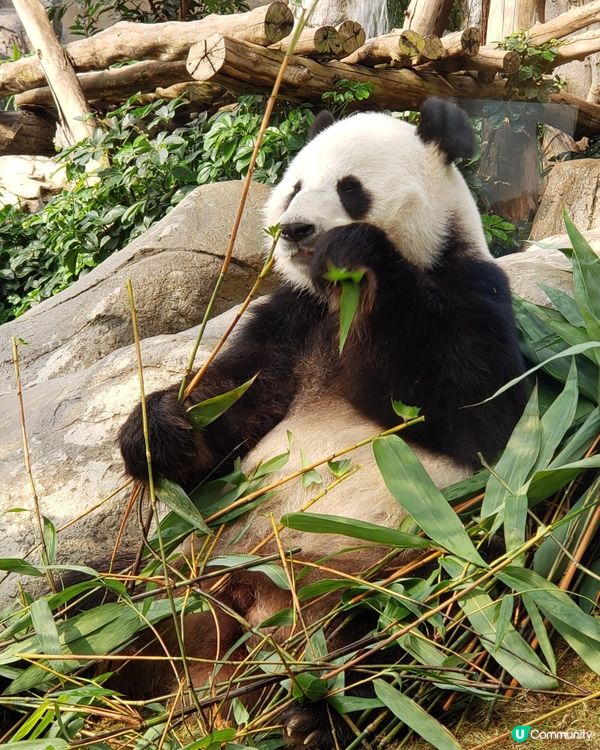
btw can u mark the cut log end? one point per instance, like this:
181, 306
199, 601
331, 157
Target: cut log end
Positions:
352, 36
279, 22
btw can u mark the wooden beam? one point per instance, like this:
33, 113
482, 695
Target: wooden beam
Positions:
70, 101
159, 41
322, 42
573, 20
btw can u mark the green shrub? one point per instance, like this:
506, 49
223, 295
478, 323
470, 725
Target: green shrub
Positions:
152, 167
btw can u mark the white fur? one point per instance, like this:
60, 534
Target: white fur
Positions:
415, 194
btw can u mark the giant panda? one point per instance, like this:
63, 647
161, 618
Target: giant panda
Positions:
434, 328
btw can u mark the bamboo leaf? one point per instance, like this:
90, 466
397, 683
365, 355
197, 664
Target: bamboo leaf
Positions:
540, 631
409, 712
558, 418
565, 304
20, 566
50, 539
318, 523
205, 412
175, 498
515, 464
586, 270
515, 654
273, 464
515, 522
504, 618
47, 632
349, 299
274, 572
414, 489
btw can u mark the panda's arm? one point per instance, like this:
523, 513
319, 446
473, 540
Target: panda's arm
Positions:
268, 346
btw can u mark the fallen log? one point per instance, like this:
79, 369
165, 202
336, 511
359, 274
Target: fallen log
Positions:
322, 42
115, 84
391, 48
465, 42
352, 36
161, 41
572, 20
24, 132
242, 67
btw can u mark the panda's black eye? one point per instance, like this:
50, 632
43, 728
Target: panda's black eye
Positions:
291, 196
354, 197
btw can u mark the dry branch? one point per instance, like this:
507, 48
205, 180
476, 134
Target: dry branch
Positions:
428, 16
323, 41
26, 133
161, 41
565, 24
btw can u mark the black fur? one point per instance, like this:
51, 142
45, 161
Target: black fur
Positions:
355, 198
442, 339
323, 120
444, 124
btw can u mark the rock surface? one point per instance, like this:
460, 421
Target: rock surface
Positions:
29, 180
572, 186
173, 268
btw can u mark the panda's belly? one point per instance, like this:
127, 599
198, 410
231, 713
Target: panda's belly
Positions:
319, 429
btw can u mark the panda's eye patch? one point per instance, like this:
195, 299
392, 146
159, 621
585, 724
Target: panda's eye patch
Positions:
354, 197
295, 191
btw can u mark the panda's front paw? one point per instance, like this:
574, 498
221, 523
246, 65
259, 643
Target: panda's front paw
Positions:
175, 449
356, 248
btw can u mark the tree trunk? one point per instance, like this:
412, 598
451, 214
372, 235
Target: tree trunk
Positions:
511, 15
70, 101
428, 16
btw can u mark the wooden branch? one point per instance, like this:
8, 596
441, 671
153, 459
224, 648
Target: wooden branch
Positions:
115, 84
160, 41
488, 59
573, 20
352, 36
578, 47
410, 43
380, 50
26, 133
70, 101
428, 16
465, 42
322, 42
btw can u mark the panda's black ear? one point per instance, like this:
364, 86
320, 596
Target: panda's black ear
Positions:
323, 120
448, 127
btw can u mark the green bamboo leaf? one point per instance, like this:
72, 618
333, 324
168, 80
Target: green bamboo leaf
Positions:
311, 476
324, 586
349, 299
272, 465
20, 566
569, 352
503, 620
274, 572
515, 523
318, 523
415, 717
49, 743
590, 587
205, 412
565, 304
50, 538
347, 704
577, 445
515, 464
175, 498
414, 489
557, 419
586, 270
545, 483
47, 633
551, 600
515, 654
540, 631
306, 685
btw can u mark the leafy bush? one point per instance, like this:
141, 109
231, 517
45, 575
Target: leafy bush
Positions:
152, 167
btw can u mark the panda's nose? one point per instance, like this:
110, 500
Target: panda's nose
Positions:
296, 231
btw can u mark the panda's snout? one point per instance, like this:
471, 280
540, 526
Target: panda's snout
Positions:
297, 231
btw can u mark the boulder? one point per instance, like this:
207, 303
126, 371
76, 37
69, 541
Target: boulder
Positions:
29, 180
173, 268
73, 420
572, 186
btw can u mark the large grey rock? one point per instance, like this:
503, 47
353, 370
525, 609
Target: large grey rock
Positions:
73, 421
572, 185
173, 268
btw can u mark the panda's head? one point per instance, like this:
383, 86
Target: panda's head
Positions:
375, 168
